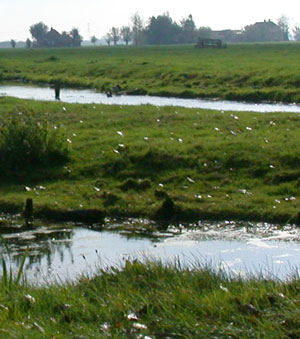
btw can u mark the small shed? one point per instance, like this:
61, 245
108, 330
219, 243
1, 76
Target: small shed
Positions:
215, 43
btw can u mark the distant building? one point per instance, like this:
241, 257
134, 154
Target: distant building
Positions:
263, 32
53, 38
227, 35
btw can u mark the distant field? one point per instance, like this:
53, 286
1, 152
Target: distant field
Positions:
253, 72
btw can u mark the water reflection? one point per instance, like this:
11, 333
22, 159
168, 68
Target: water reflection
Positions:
43, 245
90, 96
63, 253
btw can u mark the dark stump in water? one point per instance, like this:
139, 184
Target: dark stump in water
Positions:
28, 211
166, 213
57, 91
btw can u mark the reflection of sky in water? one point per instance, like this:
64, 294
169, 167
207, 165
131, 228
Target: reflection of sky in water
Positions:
83, 251
253, 256
89, 96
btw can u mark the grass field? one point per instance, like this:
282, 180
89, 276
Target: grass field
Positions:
126, 161
253, 72
153, 301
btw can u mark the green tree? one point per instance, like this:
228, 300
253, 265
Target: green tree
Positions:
204, 33
93, 40
39, 34
13, 43
28, 43
188, 29
75, 37
126, 34
162, 30
65, 40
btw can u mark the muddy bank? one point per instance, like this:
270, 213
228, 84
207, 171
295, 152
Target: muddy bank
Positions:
167, 213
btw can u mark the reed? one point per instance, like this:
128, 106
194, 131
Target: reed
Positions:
11, 280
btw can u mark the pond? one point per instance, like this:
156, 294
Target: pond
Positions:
58, 253
82, 96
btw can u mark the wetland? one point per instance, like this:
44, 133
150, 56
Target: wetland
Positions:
174, 267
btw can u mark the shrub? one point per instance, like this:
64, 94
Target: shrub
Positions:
26, 143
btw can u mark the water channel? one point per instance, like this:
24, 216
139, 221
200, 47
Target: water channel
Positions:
84, 96
59, 252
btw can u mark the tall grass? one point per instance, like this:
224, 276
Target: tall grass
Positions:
11, 280
156, 301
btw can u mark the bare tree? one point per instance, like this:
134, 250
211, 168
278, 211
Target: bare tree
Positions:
137, 28
296, 31
108, 38
126, 34
115, 35
283, 23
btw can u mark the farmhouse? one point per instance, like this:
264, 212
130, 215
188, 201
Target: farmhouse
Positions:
53, 37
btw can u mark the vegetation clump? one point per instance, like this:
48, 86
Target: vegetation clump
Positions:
137, 185
27, 143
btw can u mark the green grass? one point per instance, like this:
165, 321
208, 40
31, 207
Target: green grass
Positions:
155, 301
253, 72
127, 160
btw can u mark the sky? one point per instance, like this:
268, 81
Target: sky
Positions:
96, 17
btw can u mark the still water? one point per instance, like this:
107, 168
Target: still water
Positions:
60, 253
90, 96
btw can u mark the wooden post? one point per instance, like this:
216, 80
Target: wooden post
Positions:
28, 211
57, 91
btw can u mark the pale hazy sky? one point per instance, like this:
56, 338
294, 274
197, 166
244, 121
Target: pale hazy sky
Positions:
96, 17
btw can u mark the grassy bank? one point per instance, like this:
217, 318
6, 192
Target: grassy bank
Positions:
153, 301
253, 72
173, 163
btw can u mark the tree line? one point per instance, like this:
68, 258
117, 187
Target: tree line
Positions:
162, 30
159, 30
